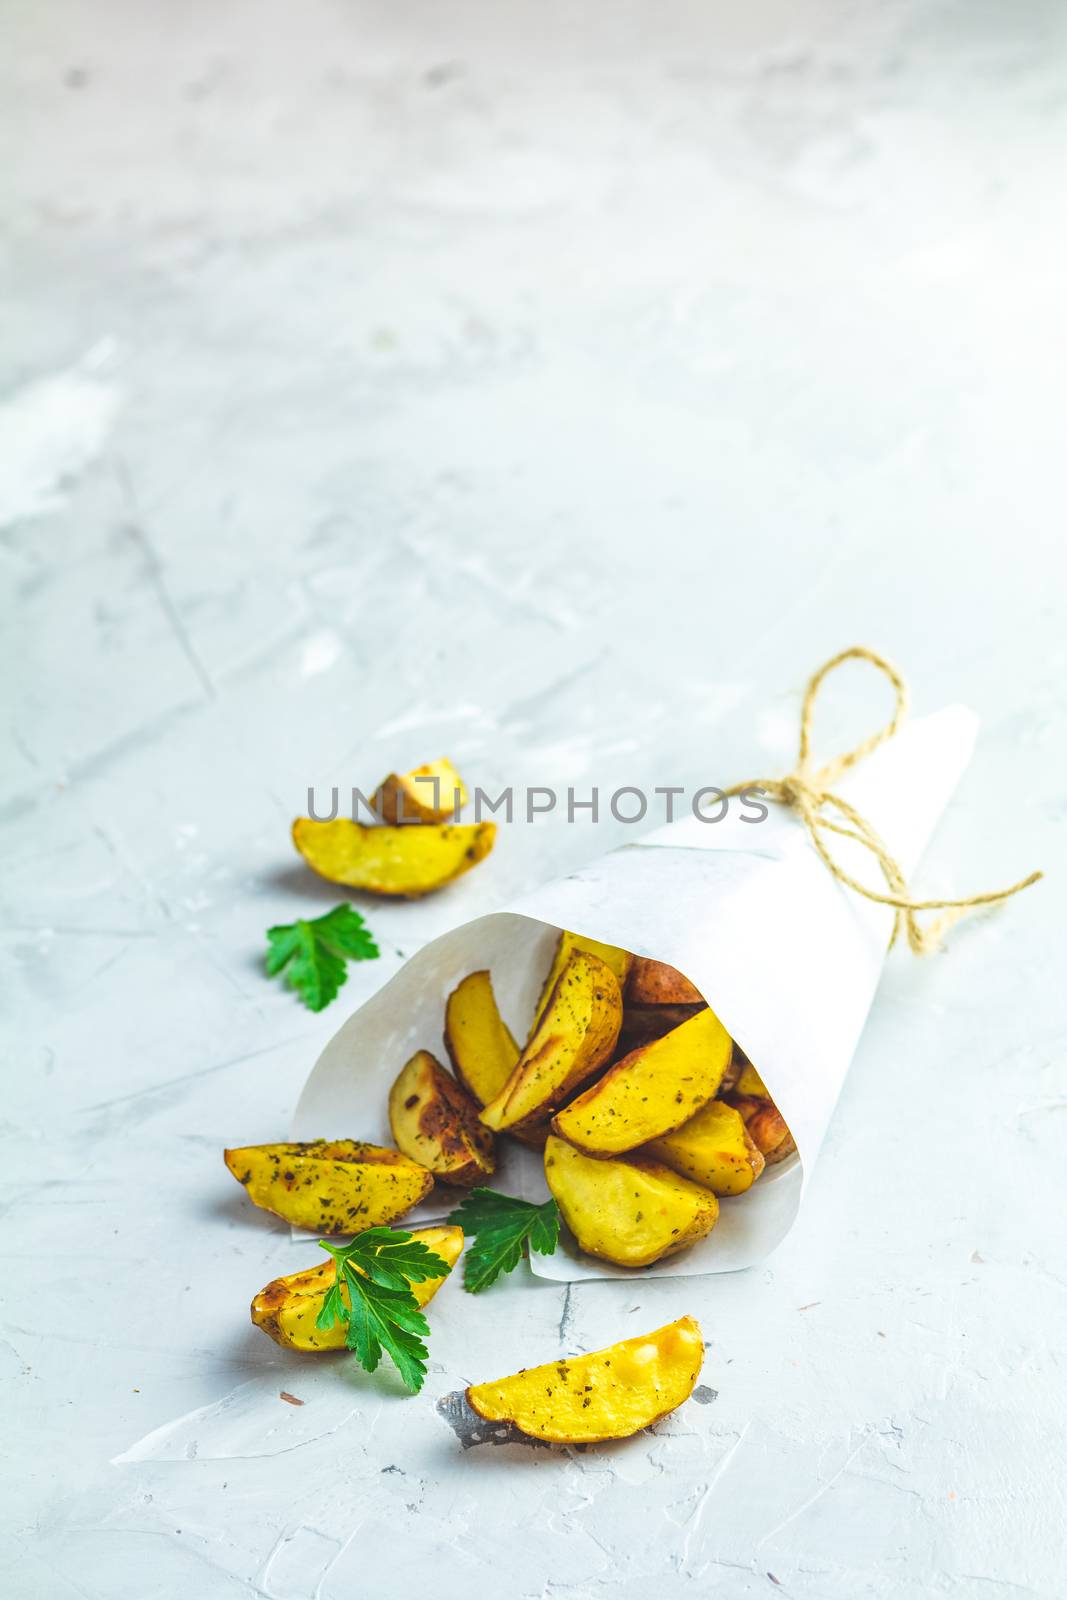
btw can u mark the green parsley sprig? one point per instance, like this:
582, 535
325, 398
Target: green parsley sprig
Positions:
313, 953
505, 1229
379, 1310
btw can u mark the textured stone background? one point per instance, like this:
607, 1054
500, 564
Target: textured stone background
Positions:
553, 386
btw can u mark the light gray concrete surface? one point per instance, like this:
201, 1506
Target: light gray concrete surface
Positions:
553, 386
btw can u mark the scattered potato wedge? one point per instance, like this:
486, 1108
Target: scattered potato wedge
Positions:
287, 1308
766, 1125
608, 1394
406, 862
433, 792
576, 1036
654, 983
479, 1045
436, 1123
330, 1186
642, 1024
618, 960
633, 1211
652, 1090
714, 1148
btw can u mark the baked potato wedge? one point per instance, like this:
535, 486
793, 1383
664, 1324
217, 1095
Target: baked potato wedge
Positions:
433, 792
642, 1024
576, 1036
714, 1148
330, 1186
766, 1126
402, 862
632, 1211
480, 1047
287, 1308
654, 983
749, 1082
650, 1091
618, 960
435, 1122
608, 1394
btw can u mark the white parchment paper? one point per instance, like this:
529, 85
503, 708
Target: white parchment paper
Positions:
786, 956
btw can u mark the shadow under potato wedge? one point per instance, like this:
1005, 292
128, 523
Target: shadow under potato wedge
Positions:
479, 1044
630, 1211
288, 1307
576, 1035
436, 1123
714, 1148
405, 862
608, 1394
330, 1186
651, 1091
433, 792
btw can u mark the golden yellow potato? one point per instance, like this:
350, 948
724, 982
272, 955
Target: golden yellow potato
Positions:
435, 1122
749, 1082
766, 1126
650, 1091
576, 1036
406, 862
654, 983
330, 1186
286, 1309
642, 1024
479, 1045
713, 1148
608, 1394
633, 1211
567, 943
411, 796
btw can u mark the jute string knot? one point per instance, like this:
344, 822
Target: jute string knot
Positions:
808, 792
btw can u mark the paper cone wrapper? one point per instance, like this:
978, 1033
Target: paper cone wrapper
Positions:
786, 956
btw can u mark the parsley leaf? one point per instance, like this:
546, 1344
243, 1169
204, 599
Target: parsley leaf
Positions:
504, 1230
313, 954
372, 1296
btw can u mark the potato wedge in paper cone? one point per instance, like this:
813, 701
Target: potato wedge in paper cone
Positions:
766, 1125
480, 1047
714, 1148
404, 862
433, 792
330, 1186
287, 1308
576, 1036
618, 960
654, 983
608, 1394
631, 1212
651, 1091
436, 1123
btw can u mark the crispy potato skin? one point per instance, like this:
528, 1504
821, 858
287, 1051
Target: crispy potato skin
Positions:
609, 1394
714, 1148
330, 1186
482, 1052
651, 1091
398, 862
408, 797
576, 1036
286, 1309
766, 1126
618, 960
435, 1122
633, 1211
654, 983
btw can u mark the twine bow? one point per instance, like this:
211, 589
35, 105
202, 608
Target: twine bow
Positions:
808, 792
